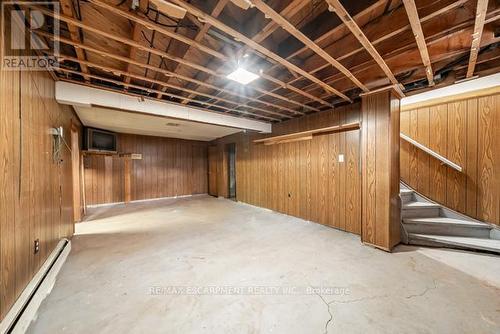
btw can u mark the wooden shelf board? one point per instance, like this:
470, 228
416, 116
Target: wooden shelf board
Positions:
307, 135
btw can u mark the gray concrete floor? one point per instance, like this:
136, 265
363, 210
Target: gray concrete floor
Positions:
248, 270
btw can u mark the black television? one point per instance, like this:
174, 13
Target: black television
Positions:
96, 140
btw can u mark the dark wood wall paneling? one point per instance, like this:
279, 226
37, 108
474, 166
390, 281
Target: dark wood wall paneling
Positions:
466, 132
169, 167
303, 179
36, 193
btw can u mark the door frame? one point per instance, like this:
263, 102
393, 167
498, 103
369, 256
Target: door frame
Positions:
212, 170
76, 164
228, 151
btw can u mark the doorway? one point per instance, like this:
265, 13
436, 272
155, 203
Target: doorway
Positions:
75, 171
231, 167
212, 170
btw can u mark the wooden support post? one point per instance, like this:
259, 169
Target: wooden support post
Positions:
126, 182
381, 208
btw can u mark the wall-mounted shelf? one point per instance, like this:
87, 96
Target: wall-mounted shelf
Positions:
132, 156
307, 135
85, 152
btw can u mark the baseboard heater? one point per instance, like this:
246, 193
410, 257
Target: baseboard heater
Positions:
25, 308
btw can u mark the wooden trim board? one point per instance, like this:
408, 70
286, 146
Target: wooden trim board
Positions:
308, 134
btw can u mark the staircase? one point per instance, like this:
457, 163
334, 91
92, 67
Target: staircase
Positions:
426, 223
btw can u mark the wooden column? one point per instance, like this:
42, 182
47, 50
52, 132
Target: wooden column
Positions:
380, 210
126, 173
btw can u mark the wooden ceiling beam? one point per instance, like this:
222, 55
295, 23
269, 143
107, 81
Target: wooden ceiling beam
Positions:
134, 45
136, 31
67, 9
151, 90
153, 26
159, 70
204, 17
431, 40
454, 43
174, 58
219, 7
367, 13
291, 29
291, 9
482, 7
416, 27
336, 6
438, 41
119, 72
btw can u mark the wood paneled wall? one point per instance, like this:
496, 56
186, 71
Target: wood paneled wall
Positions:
169, 167
36, 200
302, 179
466, 132
381, 210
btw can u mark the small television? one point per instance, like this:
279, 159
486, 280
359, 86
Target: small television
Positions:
97, 140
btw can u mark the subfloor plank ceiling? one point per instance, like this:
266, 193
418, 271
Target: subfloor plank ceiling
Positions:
310, 55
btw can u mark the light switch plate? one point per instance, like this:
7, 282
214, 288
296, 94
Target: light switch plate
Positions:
341, 158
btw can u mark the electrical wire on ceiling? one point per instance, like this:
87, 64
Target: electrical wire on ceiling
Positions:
441, 74
77, 9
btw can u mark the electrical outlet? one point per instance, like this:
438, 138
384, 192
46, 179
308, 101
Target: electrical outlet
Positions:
341, 158
37, 246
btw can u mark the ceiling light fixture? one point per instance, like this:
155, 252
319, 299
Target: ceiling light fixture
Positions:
242, 76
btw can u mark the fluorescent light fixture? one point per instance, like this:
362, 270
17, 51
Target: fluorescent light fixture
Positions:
242, 76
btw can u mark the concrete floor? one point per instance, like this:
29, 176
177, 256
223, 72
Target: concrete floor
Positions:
249, 270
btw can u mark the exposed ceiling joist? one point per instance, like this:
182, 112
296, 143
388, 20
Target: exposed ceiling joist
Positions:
200, 75
450, 39
336, 6
219, 7
172, 74
291, 9
136, 31
152, 26
152, 90
290, 28
416, 27
256, 46
368, 13
159, 70
379, 40
67, 9
482, 7
119, 72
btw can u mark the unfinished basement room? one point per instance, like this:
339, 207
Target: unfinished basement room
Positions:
250, 166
